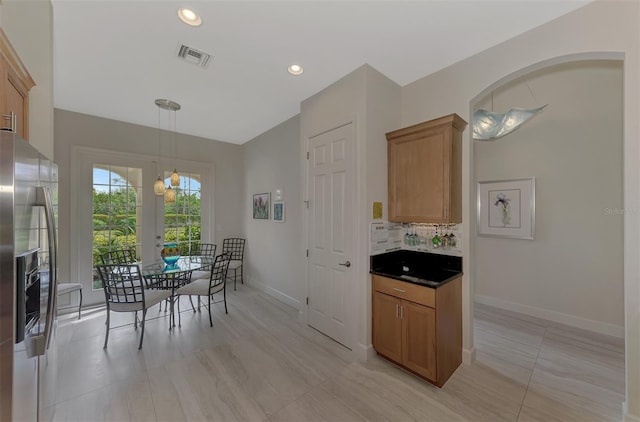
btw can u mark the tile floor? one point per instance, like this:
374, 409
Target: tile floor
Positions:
258, 363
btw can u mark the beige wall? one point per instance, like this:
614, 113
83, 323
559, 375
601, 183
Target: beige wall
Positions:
383, 98
275, 255
75, 129
573, 271
29, 27
336, 105
602, 26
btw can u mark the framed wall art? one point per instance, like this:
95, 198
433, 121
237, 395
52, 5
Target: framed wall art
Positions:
278, 211
261, 204
507, 208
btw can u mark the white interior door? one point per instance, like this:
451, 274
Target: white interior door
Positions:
330, 187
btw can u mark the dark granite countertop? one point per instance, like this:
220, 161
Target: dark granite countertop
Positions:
423, 268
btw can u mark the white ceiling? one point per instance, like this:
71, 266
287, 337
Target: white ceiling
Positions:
113, 58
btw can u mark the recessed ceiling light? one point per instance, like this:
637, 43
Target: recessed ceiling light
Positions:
189, 17
295, 69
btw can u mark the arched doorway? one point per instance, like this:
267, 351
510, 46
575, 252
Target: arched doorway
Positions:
572, 273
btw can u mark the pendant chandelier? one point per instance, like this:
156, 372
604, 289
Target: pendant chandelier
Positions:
158, 186
488, 125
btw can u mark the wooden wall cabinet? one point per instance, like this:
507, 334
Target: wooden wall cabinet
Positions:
15, 84
418, 327
425, 171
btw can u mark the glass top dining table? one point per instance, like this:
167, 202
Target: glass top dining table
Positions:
159, 275
184, 264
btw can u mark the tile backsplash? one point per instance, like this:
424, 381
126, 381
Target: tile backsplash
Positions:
386, 237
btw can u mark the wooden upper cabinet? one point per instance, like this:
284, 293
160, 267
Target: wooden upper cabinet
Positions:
15, 83
425, 171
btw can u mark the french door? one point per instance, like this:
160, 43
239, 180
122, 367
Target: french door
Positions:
114, 206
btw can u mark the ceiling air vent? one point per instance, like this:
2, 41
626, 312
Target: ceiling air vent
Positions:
194, 56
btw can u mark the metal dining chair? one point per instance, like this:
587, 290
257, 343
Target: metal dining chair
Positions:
124, 291
235, 245
203, 249
67, 288
214, 283
119, 256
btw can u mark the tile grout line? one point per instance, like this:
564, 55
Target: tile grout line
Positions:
153, 401
535, 363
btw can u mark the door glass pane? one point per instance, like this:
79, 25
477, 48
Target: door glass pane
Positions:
117, 212
182, 218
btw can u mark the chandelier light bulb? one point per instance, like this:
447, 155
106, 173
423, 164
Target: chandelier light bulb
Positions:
175, 178
158, 187
169, 196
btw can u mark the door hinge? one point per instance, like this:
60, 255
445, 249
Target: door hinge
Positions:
307, 300
307, 203
307, 253
307, 155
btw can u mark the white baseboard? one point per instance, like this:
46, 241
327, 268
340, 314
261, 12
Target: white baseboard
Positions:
291, 301
559, 317
469, 356
363, 353
626, 417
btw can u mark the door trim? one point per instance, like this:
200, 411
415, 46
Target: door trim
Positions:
352, 311
84, 157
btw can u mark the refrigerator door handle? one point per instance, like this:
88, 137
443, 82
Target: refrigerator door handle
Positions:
43, 198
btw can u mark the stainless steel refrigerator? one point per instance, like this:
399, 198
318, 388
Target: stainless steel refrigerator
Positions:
28, 278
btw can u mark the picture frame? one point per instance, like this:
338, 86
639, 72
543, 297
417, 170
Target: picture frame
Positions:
278, 211
261, 206
506, 208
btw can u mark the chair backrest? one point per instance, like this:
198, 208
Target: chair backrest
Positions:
119, 256
235, 245
123, 286
219, 269
205, 249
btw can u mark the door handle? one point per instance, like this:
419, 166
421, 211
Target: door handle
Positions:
345, 264
43, 199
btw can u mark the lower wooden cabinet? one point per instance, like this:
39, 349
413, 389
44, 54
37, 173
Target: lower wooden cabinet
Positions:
419, 330
419, 339
387, 333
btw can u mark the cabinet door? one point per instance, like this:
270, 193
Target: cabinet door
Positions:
15, 83
419, 177
387, 326
16, 102
419, 339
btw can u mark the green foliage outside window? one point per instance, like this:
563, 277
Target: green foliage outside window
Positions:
115, 222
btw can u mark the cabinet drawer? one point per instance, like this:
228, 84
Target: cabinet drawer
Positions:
407, 291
